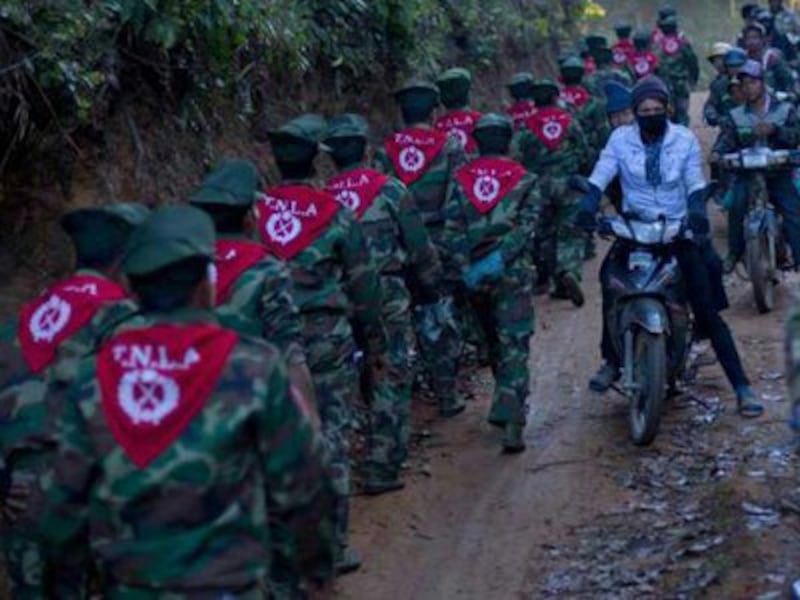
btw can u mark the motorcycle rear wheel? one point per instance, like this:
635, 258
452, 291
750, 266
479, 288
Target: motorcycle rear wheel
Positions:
758, 256
650, 378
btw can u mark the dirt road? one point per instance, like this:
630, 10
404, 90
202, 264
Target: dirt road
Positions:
710, 510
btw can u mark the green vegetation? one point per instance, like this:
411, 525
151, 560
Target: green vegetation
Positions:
67, 63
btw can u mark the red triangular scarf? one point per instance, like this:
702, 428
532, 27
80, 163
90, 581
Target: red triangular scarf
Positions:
589, 66
356, 189
550, 125
60, 312
460, 124
486, 181
643, 64
233, 258
291, 217
576, 96
154, 381
412, 151
521, 111
622, 51
671, 44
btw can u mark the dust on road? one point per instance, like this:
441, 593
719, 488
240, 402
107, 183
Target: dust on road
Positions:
711, 509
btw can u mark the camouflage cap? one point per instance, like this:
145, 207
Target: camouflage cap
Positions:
416, 85
668, 20
666, 12
595, 41
546, 83
347, 125
602, 55
170, 235
522, 78
494, 120
298, 140
130, 213
623, 29
454, 74
233, 182
572, 62
642, 35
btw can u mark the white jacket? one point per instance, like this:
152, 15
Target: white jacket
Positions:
681, 171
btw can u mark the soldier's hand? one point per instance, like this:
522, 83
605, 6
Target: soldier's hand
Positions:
764, 129
16, 501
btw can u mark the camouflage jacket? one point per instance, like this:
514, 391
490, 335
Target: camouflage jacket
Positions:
508, 225
430, 193
596, 83
679, 66
25, 420
225, 466
397, 239
336, 274
720, 101
738, 128
568, 157
778, 75
259, 303
591, 113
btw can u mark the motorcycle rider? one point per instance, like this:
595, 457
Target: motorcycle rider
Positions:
761, 121
660, 165
777, 73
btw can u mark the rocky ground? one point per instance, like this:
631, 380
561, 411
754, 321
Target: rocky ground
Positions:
711, 509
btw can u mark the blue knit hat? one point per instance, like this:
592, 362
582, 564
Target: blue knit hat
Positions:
618, 97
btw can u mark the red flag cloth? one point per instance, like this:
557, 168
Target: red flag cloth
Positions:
154, 381
291, 217
356, 189
521, 111
622, 51
671, 44
550, 125
576, 96
60, 312
486, 181
233, 258
413, 150
460, 124
643, 64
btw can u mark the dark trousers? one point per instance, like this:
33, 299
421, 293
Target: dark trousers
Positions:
782, 195
704, 300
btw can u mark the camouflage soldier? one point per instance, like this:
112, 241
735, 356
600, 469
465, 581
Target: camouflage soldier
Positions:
459, 120
586, 56
424, 159
183, 446
334, 280
553, 146
588, 108
778, 76
66, 321
785, 20
496, 200
623, 49
714, 109
401, 248
606, 69
521, 90
678, 67
776, 39
642, 62
254, 289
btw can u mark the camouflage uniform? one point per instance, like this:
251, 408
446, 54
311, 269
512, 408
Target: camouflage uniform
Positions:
439, 336
590, 109
719, 102
679, 68
182, 492
561, 247
27, 435
505, 304
606, 71
401, 249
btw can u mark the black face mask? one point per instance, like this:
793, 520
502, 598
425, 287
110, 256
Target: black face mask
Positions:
653, 125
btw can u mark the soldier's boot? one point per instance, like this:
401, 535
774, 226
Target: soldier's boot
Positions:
568, 288
451, 405
498, 415
348, 560
605, 376
513, 442
589, 251
381, 480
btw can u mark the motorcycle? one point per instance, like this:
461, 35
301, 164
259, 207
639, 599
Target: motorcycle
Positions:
649, 318
765, 248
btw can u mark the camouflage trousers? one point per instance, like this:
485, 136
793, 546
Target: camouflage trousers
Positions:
507, 317
121, 592
330, 351
440, 345
561, 247
390, 404
681, 100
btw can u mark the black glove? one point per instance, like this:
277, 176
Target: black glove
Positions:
586, 221
698, 220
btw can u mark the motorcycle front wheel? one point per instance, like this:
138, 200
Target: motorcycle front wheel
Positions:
650, 384
759, 255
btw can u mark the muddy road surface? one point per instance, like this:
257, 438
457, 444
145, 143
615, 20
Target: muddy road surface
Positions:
711, 509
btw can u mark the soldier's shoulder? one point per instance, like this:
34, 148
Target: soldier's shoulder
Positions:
253, 355
394, 188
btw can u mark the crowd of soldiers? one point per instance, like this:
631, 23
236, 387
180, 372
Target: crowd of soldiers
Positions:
176, 415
